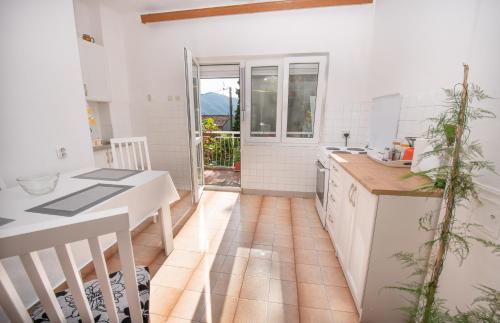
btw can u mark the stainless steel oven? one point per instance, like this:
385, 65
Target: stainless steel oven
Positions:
321, 190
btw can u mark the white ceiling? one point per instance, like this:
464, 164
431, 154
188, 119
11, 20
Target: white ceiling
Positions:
146, 6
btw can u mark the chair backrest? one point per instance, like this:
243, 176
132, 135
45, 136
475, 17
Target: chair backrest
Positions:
130, 153
93, 225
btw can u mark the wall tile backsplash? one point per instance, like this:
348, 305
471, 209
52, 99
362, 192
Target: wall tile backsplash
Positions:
415, 112
164, 123
272, 167
278, 168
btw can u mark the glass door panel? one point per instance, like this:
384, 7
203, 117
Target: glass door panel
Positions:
192, 69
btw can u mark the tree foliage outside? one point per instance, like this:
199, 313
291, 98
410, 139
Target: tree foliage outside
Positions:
461, 159
219, 150
236, 123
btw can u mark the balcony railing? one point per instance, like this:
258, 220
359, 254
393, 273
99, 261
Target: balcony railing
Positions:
221, 148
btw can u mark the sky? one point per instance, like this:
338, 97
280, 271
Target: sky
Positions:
216, 85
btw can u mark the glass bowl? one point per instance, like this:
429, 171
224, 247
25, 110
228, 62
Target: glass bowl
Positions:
39, 184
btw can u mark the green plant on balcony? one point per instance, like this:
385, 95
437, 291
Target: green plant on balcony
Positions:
219, 149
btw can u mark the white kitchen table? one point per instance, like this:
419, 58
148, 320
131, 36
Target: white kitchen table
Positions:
152, 191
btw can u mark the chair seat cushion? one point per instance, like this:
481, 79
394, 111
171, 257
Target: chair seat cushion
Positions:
96, 300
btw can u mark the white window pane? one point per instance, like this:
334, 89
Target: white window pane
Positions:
264, 97
196, 103
302, 93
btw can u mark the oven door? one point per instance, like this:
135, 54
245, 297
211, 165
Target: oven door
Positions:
320, 183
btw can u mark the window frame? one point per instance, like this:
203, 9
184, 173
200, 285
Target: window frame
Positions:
248, 100
320, 97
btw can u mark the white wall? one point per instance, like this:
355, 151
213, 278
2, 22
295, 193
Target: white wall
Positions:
157, 68
419, 48
42, 102
87, 18
114, 40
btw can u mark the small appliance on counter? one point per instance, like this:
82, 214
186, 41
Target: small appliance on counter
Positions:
400, 155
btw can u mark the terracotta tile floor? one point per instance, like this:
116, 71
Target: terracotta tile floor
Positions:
248, 258
181, 207
222, 177
245, 258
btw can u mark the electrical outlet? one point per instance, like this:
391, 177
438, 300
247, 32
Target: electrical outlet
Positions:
61, 152
149, 97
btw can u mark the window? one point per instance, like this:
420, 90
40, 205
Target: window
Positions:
264, 97
284, 104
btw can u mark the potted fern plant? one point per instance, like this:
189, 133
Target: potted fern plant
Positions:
461, 159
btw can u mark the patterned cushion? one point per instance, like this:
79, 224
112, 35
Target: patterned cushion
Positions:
96, 300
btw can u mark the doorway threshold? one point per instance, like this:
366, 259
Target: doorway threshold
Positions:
222, 188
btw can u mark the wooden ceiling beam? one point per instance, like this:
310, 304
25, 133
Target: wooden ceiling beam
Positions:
245, 9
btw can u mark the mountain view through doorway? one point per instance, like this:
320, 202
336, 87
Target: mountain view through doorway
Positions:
220, 112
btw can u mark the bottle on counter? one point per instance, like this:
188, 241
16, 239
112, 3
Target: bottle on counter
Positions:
387, 154
395, 151
408, 155
404, 147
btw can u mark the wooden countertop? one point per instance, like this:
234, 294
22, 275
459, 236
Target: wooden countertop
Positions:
383, 180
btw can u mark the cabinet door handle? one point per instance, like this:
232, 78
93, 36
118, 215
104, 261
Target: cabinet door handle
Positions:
354, 195
85, 89
350, 193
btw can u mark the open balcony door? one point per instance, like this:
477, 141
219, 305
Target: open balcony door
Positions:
194, 124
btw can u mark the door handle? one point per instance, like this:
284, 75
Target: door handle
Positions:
320, 167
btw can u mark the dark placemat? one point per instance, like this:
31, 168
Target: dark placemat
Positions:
4, 221
74, 203
109, 174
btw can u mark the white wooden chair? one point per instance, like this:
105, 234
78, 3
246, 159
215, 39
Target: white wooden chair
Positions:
130, 153
55, 306
125, 155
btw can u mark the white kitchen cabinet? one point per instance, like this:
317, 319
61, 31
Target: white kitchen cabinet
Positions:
344, 217
364, 208
367, 230
103, 158
94, 71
